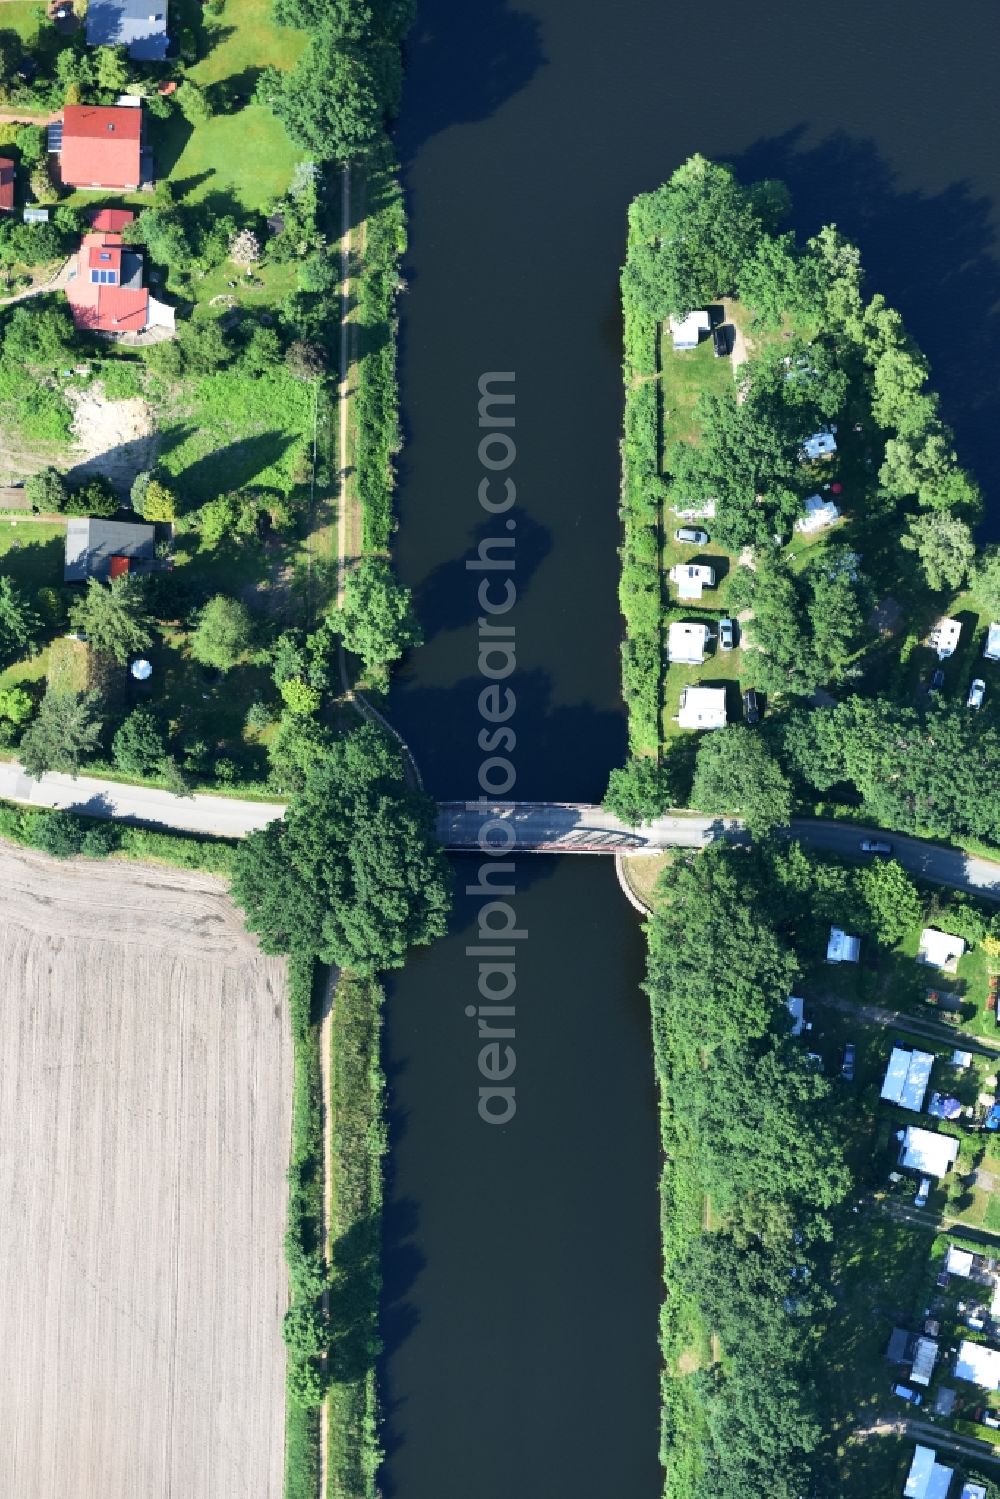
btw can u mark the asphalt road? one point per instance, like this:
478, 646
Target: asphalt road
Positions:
942, 866
524, 827
217, 816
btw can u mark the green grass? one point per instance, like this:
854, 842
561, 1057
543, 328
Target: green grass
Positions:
234, 431
243, 153
246, 156
246, 37
68, 665
37, 412
32, 552
684, 376
24, 17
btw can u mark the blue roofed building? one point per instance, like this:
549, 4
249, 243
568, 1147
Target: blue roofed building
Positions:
139, 25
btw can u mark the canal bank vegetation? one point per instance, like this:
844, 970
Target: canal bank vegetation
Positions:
787, 1231
359, 1143
754, 1168
64, 835
305, 1329
844, 603
336, 104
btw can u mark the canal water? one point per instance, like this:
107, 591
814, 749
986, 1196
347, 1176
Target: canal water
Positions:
521, 1262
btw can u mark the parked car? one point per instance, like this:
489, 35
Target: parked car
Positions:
693, 535
720, 340
727, 634
987, 1417
976, 694
751, 705
912, 1397
847, 1065
875, 846
923, 1192
937, 681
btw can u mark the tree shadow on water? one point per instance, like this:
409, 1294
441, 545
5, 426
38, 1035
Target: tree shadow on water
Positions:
447, 597
932, 255
462, 63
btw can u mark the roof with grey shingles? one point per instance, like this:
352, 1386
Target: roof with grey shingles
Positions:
91, 544
139, 25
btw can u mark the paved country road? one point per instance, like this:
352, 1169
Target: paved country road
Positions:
218, 816
524, 827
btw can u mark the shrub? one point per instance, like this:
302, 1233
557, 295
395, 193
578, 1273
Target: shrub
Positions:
56, 833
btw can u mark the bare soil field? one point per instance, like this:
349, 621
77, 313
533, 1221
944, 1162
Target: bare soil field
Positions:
145, 1084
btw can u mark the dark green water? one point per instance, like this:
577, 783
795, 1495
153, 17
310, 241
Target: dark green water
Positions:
521, 1266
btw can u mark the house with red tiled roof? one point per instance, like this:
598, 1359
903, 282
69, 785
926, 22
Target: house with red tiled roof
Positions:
6, 185
100, 147
105, 290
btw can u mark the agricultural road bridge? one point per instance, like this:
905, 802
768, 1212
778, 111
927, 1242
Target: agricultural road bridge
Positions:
524, 827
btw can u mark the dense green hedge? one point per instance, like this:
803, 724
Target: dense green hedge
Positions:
66, 833
359, 1143
377, 399
303, 1238
640, 593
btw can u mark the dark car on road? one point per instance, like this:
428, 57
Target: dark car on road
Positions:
751, 705
847, 1065
720, 341
937, 681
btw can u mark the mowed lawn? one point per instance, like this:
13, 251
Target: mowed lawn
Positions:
246, 156
22, 16
242, 151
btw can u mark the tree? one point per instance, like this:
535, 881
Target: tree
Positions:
688, 239
110, 69
30, 141
377, 619
138, 746
985, 579
15, 705
745, 460
43, 189
38, 337
58, 834
297, 745
330, 103
893, 902
770, 280
229, 516
46, 490
638, 791
163, 233
20, 626
353, 873
735, 772
223, 633
305, 360
94, 498
67, 728
936, 773
114, 617
154, 501
300, 696
193, 102
716, 961
944, 546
